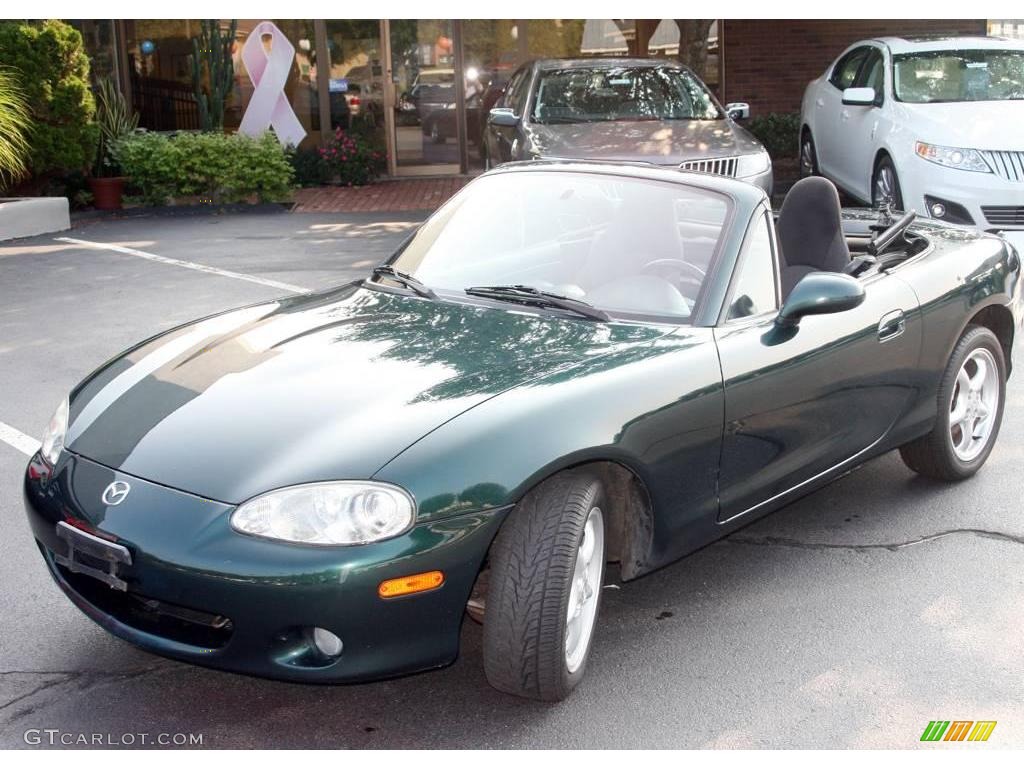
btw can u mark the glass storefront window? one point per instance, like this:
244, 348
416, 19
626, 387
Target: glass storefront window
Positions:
98, 38
356, 79
159, 63
491, 53
423, 71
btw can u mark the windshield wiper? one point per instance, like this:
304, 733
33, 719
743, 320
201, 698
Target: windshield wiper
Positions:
410, 282
525, 294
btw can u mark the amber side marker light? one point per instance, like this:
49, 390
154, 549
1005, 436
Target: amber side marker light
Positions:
408, 585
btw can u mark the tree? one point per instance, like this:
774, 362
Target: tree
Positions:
693, 44
53, 71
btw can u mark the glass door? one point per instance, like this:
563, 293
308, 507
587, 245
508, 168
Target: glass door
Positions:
423, 120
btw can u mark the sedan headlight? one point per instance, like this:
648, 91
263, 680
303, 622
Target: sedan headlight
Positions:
56, 431
953, 157
338, 513
751, 165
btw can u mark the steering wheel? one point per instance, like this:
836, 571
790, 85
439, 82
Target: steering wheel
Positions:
689, 275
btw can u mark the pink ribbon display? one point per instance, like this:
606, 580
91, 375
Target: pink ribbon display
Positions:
269, 73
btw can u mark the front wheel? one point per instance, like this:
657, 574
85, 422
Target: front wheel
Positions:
547, 564
886, 185
971, 396
808, 156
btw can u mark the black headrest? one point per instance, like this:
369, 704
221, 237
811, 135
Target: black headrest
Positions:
810, 226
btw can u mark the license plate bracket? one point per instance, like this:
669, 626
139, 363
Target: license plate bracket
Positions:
110, 555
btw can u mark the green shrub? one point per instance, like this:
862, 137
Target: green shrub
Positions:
14, 127
353, 159
223, 168
53, 71
779, 132
310, 169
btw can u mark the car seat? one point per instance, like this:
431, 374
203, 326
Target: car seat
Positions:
810, 230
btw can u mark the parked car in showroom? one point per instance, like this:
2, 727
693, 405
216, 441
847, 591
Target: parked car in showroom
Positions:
647, 110
568, 364
933, 124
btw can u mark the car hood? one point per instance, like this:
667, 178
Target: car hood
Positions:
666, 142
974, 125
323, 387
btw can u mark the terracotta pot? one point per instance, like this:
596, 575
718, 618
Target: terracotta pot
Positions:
106, 192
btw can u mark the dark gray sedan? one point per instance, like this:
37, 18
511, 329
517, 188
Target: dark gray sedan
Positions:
625, 110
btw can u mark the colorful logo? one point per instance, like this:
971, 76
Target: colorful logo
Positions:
958, 730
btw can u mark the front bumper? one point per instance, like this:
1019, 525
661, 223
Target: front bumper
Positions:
198, 591
994, 203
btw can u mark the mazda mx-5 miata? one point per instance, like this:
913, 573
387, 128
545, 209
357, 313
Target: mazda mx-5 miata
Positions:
566, 365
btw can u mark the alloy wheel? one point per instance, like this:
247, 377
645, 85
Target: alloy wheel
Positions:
974, 405
885, 184
583, 595
807, 157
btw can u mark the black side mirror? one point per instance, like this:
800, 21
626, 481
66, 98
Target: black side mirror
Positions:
503, 117
820, 293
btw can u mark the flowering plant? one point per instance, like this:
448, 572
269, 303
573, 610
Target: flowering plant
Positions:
352, 159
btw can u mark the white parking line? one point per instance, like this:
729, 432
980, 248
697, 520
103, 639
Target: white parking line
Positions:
18, 440
180, 263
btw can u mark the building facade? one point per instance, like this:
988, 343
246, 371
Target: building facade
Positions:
421, 88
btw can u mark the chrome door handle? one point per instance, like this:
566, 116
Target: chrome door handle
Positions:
891, 325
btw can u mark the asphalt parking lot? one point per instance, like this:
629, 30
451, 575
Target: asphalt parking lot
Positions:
849, 619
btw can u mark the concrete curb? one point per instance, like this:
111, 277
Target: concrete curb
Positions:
28, 216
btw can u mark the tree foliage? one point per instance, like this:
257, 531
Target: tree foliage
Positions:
53, 71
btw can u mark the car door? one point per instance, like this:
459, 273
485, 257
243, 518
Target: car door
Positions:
507, 138
859, 126
830, 138
803, 401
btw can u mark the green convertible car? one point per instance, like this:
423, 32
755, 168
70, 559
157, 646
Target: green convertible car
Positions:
568, 364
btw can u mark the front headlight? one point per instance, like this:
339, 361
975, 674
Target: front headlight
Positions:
337, 513
56, 431
953, 157
751, 165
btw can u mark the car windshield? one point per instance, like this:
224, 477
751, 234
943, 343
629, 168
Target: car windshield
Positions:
632, 247
961, 75
604, 94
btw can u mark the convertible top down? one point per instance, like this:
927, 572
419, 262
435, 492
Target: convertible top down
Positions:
568, 364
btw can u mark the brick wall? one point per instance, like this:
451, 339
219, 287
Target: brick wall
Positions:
769, 62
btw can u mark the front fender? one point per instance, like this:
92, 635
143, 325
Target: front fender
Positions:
658, 410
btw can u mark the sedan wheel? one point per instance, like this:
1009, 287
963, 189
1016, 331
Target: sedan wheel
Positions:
808, 156
547, 564
886, 186
971, 397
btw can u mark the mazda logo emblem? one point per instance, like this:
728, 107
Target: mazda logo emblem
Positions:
115, 493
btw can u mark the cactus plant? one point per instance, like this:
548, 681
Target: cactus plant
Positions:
211, 51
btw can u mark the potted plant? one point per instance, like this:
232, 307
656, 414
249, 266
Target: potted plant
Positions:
116, 120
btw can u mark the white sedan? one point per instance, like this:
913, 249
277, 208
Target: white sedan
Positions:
935, 125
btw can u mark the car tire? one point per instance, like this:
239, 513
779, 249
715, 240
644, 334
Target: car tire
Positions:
951, 452
547, 564
886, 180
808, 155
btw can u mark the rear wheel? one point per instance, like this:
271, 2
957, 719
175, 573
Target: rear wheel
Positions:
971, 397
886, 184
547, 564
